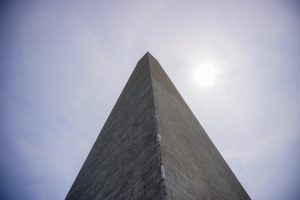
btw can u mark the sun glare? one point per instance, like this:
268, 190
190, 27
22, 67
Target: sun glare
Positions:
204, 75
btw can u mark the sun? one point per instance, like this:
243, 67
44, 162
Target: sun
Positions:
205, 75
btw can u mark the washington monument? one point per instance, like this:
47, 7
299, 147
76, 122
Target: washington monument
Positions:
152, 147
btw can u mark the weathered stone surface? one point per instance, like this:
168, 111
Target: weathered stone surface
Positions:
124, 162
194, 168
153, 147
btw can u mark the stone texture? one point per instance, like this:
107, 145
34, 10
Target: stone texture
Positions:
124, 162
194, 168
153, 147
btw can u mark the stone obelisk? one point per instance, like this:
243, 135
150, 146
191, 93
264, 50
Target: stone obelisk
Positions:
153, 147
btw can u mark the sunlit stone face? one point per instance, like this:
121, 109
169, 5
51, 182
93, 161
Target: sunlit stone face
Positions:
204, 75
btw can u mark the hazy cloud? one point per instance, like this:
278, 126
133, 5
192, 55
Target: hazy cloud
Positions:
64, 64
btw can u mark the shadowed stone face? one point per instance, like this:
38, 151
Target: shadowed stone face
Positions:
153, 147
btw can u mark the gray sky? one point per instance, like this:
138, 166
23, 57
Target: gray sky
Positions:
63, 65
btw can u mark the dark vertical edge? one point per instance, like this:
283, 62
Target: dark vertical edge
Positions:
163, 191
